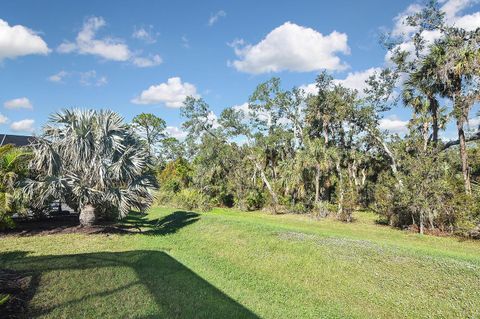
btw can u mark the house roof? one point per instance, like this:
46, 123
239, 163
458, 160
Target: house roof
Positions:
17, 140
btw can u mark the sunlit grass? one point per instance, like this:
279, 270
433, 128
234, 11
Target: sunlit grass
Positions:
230, 264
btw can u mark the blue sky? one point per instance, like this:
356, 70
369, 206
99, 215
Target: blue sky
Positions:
144, 56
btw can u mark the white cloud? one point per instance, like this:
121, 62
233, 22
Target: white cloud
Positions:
353, 80
261, 115
143, 62
356, 80
148, 35
214, 17
212, 119
401, 28
309, 88
453, 16
172, 93
248, 112
18, 40
185, 42
90, 78
86, 43
58, 77
453, 10
174, 131
393, 124
20, 103
25, 125
474, 123
294, 48
3, 119
109, 48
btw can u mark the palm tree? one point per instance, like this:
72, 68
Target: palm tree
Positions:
92, 161
318, 156
13, 166
420, 90
458, 71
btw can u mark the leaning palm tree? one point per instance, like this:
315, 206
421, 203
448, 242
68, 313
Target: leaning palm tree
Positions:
92, 161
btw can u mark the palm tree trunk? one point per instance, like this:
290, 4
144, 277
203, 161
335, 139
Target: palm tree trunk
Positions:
464, 157
435, 126
87, 215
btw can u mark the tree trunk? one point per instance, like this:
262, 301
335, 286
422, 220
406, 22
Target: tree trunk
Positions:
325, 132
390, 154
421, 222
317, 184
87, 215
393, 164
364, 177
340, 188
267, 184
435, 127
464, 157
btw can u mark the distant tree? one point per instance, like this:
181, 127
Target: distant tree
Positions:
172, 149
151, 128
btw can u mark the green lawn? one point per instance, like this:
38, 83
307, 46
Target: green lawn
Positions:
228, 264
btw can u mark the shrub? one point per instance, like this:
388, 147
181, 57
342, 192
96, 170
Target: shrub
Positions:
298, 208
254, 200
164, 198
323, 209
192, 199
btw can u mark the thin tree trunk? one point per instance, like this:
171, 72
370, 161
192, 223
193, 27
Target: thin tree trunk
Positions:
435, 126
393, 161
431, 220
464, 157
317, 184
325, 132
421, 222
425, 136
364, 177
340, 187
267, 184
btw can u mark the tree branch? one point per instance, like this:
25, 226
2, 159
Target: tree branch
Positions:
474, 137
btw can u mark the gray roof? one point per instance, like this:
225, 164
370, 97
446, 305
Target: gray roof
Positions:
17, 140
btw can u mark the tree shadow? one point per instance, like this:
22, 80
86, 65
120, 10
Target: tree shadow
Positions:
134, 223
166, 225
132, 284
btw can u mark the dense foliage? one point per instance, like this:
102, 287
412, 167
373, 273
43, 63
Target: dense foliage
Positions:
326, 153
13, 168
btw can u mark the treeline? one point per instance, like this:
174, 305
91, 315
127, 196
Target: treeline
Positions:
326, 153
323, 154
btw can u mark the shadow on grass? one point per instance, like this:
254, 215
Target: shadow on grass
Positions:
169, 224
132, 284
134, 223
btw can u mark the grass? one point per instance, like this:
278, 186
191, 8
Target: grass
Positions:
228, 264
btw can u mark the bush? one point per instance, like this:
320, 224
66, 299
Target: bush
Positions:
254, 200
192, 199
164, 197
323, 209
226, 199
298, 208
